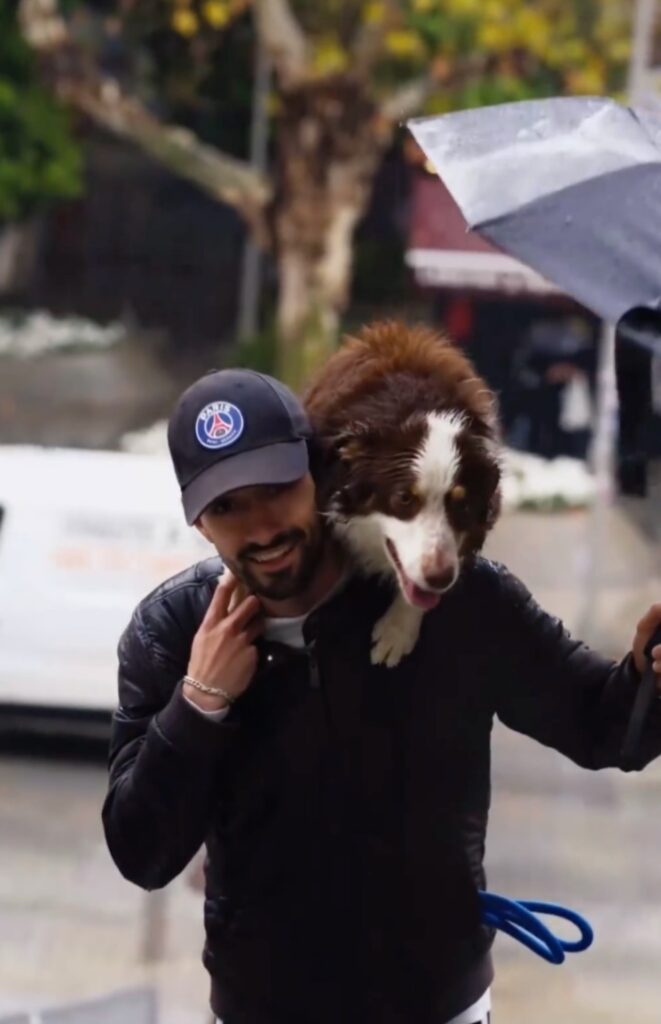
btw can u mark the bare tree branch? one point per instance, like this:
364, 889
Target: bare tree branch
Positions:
369, 41
408, 99
284, 40
221, 176
76, 80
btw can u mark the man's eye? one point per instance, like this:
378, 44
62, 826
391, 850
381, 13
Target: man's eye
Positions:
273, 490
220, 508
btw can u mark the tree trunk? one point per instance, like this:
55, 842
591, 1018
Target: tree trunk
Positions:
330, 144
312, 296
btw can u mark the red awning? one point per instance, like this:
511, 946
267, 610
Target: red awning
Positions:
444, 253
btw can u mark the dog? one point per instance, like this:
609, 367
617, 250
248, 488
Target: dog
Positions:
408, 452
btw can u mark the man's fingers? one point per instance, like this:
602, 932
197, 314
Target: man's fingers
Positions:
650, 620
253, 630
220, 601
241, 616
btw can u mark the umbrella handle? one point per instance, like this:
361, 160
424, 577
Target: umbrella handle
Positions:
517, 919
642, 704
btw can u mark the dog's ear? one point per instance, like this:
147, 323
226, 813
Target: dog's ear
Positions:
352, 442
348, 449
492, 478
341, 487
481, 403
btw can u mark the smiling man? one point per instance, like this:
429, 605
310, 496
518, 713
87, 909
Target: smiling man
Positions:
343, 805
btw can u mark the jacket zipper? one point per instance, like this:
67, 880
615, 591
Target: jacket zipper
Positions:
313, 665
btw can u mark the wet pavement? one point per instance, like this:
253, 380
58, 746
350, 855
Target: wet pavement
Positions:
70, 927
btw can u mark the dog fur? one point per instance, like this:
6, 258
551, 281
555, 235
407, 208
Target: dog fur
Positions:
408, 466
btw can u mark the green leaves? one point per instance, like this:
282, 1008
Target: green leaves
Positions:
39, 159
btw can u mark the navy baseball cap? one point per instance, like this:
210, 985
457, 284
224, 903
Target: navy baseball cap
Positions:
235, 428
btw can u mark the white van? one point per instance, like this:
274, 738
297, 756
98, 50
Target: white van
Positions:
84, 535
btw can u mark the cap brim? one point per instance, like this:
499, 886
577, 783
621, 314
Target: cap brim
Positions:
280, 463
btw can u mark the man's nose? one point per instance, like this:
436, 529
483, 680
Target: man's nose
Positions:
262, 528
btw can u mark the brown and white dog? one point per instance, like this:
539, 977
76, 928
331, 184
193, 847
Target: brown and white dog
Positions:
410, 466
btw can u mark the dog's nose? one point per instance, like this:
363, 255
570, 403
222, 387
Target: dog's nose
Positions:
440, 579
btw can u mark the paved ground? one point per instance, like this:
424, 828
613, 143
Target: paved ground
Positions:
71, 927
554, 555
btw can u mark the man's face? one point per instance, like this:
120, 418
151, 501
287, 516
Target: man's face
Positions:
270, 536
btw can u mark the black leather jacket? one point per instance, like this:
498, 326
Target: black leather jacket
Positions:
344, 806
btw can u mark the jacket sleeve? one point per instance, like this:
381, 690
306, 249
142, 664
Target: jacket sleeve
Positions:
164, 765
558, 691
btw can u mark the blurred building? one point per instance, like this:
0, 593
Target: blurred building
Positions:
140, 242
532, 344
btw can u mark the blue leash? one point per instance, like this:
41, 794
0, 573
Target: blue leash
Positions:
517, 918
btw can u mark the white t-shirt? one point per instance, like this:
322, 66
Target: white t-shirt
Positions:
286, 631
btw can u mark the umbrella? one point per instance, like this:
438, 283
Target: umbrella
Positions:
570, 186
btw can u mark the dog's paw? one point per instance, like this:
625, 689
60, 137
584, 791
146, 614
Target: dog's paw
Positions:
395, 634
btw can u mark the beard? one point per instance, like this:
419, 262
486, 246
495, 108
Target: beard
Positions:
291, 581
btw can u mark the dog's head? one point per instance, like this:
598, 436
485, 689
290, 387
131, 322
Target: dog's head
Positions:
407, 460
424, 495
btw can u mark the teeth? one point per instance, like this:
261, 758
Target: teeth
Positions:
273, 553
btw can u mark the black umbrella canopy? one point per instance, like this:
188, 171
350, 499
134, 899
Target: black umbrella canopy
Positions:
571, 186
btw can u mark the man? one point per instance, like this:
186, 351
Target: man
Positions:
343, 806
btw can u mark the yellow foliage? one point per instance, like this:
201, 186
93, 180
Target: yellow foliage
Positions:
402, 43
496, 35
462, 8
329, 57
423, 6
216, 14
185, 22
566, 51
619, 49
588, 80
533, 30
495, 10
374, 12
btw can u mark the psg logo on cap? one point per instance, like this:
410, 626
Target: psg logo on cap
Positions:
219, 425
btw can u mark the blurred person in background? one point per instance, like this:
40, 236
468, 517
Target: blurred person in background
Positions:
553, 376
343, 805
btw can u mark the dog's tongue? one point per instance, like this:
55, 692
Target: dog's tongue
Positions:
416, 595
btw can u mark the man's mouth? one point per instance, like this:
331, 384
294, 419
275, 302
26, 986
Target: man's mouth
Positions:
415, 595
275, 558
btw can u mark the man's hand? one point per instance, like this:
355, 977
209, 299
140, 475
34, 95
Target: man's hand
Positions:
644, 631
223, 652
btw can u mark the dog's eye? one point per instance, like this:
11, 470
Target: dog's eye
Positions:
405, 498
458, 494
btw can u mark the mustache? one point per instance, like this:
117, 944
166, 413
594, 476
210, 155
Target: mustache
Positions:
290, 537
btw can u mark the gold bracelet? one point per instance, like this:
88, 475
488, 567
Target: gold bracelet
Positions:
214, 690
